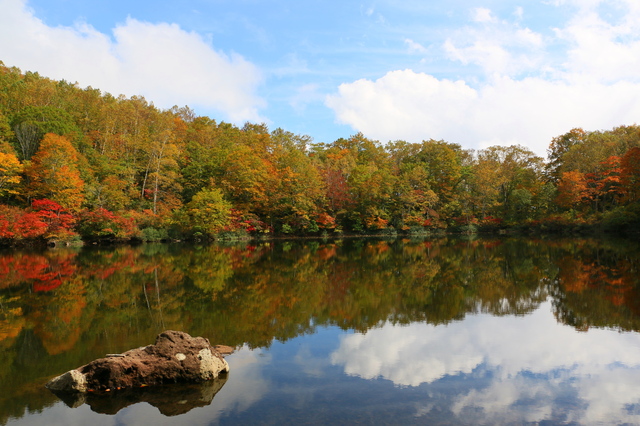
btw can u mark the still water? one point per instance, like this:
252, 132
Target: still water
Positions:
448, 331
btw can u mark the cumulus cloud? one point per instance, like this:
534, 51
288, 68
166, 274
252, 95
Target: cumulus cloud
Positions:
162, 62
416, 106
532, 86
532, 362
401, 105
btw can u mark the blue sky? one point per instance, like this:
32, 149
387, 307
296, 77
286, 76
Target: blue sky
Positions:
477, 73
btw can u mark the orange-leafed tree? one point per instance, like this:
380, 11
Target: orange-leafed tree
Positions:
572, 189
54, 173
604, 184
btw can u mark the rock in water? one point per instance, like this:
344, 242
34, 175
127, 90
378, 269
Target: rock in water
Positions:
170, 400
176, 357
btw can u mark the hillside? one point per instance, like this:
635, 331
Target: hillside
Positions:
77, 163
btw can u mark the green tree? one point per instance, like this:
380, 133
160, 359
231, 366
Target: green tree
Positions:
208, 212
558, 147
6, 135
513, 176
33, 122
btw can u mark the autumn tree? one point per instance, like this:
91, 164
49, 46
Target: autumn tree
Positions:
370, 181
630, 174
6, 135
207, 146
54, 174
299, 196
587, 157
415, 200
247, 180
103, 224
604, 184
572, 190
33, 122
59, 221
443, 164
208, 212
558, 147
10, 170
335, 165
161, 173
508, 177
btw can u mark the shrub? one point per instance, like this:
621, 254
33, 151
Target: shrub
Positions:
151, 234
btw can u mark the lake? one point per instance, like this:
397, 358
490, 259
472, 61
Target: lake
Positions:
354, 331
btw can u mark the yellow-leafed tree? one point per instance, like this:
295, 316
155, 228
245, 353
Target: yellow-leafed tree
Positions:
53, 173
10, 169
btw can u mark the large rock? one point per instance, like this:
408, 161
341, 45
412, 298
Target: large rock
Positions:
175, 357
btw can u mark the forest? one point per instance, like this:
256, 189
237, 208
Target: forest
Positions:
78, 164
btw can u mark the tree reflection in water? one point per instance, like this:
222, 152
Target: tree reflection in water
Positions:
62, 308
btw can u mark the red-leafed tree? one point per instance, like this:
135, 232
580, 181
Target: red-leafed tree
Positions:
58, 220
102, 223
29, 225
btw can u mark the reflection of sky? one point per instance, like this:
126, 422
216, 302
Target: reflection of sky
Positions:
243, 388
482, 370
533, 361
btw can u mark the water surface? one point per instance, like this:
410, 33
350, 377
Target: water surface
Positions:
450, 331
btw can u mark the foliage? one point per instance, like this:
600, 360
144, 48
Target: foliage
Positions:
175, 174
10, 174
59, 221
103, 224
150, 234
53, 173
33, 122
208, 212
572, 189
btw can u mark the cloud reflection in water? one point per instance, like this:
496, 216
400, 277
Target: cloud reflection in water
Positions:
534, 365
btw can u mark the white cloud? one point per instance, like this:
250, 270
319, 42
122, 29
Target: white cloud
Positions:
519, 12
499, 402
496, 46
159, 61
528, 91
483, 15
414, 47
416, 106
601, 50
402, 105
600, 367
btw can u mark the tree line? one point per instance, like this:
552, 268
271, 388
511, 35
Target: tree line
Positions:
77, 163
